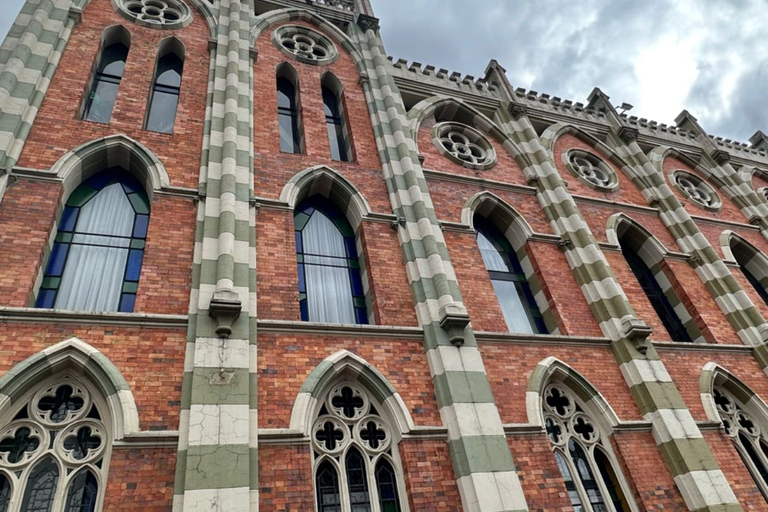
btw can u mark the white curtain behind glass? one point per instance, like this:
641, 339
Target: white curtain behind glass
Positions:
93, 276
329, 292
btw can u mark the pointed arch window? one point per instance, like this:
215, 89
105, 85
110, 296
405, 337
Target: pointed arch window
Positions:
656, 296
166, 86
753, 266
97, 255
330, 286
518, 306
746, 434
288, 111
102, 94
581, 454
335, 119
54, 451
355, 454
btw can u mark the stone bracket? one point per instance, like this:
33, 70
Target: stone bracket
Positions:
637, 332
454, 320
628, 134
225, 308
366, 22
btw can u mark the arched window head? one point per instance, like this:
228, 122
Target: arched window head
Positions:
330, 287
581, 453
96, 259
166, 87
335, 119
102, 93
745, 431
653, 290
509, 281
288, 111
355, 454
753, 265
54, 450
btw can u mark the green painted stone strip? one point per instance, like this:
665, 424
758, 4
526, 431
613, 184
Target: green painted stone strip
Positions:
217, 467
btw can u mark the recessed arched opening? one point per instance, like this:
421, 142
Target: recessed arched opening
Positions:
108, 73
339, 137
753, 264
289, 109
166, 86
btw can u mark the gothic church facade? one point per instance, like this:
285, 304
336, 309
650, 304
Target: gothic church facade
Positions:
250, 262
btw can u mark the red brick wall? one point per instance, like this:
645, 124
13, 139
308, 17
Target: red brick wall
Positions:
285, 478
285, 361
596, 216
539, 475
150, 359
509, 366
58, 129
735, 471
429, 479
140, 479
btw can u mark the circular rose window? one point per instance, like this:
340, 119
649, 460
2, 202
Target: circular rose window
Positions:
305, 45
591, 170
155, 13
464, 145
697, 190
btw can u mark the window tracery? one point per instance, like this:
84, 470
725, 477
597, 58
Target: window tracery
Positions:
305, 45
581, 454
168, 14
464, 145
697, 190
54, 451
355, 453
591, 170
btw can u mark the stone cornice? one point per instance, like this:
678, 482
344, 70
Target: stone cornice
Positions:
367, 331
701, 347
539, 339
57, 316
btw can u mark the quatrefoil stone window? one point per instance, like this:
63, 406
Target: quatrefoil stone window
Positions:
697, 190
464, 145
305, 45
591, 170
167, 14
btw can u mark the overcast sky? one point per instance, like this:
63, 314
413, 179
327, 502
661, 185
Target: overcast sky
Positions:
710, 57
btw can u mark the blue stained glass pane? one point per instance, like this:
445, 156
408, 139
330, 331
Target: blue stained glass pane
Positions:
304, 311
46, 298
357, 283
127, 302
299, 245
100, 180
349, 242
58, 258
361, 315
140, 226
69, 219
302, 282
133, 270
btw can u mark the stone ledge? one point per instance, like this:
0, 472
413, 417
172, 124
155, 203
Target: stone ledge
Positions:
369, 331
35, 315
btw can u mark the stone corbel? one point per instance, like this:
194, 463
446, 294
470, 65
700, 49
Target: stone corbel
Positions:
721, 157
366, 22
565, 243
694, 260
628, 134
517, 110
637, 332
454, 320
76, 13
225, 308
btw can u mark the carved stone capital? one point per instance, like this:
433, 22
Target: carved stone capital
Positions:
517, 110
366, 22
628, 134
721, 157
454, 320
225, 308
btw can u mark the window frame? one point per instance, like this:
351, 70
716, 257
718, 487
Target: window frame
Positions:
170, 46
288, 73
116, 34
337, 459
334, 87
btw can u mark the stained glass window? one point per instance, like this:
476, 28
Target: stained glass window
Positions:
330, 286
96, 259
327, 483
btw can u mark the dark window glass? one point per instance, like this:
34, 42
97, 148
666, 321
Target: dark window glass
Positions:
357, 482
611, 483
334, 121
96, 260
41, 487
165, 94
754, 457
327, 483
570, 485
82, 493
288, 116
103, 93
656, 296
5, 493
509, 282
754, 282
386, 483
579, 459
330, 287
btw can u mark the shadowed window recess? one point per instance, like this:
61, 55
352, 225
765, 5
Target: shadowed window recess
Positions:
516, 300
166, 86
96, 259
335, 119
288, 110
330, 286
102, 94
